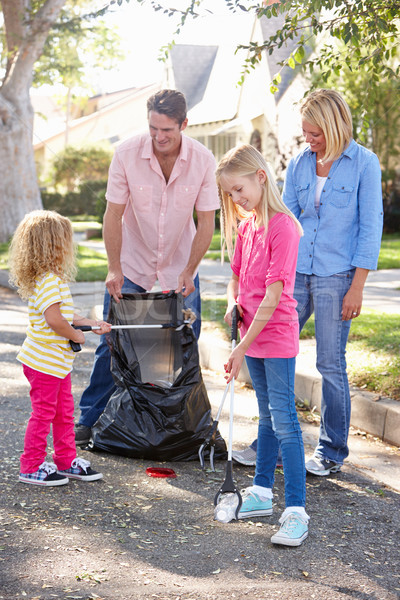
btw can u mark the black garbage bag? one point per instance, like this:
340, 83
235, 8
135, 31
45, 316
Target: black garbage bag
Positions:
160, 409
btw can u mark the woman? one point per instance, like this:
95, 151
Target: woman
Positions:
334, 188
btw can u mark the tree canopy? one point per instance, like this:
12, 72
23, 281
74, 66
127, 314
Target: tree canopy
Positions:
369, 30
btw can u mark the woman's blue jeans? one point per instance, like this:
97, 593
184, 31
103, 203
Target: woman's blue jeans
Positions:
273, 383
101, 385
324, 296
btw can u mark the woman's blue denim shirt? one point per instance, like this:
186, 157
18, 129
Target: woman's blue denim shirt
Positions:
346, 231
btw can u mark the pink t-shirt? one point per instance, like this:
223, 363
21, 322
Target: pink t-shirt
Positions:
259, 260
158, 227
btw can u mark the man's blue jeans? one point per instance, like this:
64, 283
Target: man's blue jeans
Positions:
101, 385
324, 296
273, 383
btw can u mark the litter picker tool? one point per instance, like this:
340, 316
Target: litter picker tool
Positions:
76, 347
209, 442
228, 499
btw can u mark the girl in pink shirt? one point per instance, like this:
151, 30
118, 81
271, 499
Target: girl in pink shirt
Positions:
263, 275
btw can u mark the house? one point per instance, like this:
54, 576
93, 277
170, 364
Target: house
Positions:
106, 119
221, 113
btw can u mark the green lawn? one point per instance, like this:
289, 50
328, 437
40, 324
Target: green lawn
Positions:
373, 350
389, 256
92, 265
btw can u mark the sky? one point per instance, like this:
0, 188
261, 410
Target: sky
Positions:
144, 31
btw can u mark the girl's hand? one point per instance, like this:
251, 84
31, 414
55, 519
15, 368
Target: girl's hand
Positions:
78, 337
104, 327
235, 360
228, 314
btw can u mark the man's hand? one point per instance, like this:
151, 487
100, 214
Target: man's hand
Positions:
185, 284
114, 283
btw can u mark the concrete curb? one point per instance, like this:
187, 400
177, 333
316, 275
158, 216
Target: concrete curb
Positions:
377, 416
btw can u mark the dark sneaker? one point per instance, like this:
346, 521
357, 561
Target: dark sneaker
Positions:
293, 530
246, 457
80, 469
253, 506
82, 434
45, 475
321, 466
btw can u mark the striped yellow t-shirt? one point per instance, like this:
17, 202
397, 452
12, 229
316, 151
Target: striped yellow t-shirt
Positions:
44, 350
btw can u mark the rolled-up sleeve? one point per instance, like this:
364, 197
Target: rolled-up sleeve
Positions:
370, 216
289, 191
117, 185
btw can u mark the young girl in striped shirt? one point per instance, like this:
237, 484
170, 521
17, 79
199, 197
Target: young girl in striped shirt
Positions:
42, 261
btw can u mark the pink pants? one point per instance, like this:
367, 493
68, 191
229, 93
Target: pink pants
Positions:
52, 404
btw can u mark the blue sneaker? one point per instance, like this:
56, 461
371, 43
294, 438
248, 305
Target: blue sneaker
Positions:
293, 530
81, 469
253, 506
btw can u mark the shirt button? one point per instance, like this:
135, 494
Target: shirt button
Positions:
162, 214
140, 188
186, 190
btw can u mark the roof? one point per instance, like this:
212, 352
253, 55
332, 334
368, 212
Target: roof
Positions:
269, 27
192, 67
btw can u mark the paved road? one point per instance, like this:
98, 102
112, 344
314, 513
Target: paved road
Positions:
132, 537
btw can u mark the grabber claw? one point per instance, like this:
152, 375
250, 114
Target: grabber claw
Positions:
209, 442
228, 487
201, 455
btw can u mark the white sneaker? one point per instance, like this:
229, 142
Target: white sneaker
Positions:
245, 457
321, 466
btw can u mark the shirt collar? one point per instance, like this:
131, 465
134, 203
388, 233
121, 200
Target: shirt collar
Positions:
349, 151
147, 151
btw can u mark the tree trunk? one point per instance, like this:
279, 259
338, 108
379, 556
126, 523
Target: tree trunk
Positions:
26, 32
19, 191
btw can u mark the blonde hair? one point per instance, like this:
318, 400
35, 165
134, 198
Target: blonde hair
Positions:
327, 110
245, 161
42, 243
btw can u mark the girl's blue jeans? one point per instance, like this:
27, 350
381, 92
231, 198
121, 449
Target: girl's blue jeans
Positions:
324, 296
273, 383
101, 385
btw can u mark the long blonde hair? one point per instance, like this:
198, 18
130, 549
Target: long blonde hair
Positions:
245, 161
328, 110
42, 243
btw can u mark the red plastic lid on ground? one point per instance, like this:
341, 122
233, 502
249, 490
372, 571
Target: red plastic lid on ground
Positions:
160, 472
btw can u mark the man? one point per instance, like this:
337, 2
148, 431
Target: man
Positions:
155, 181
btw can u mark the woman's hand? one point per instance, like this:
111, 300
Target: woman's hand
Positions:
235, 360
352, 302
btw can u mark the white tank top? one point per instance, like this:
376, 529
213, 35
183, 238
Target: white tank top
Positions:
318, 191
